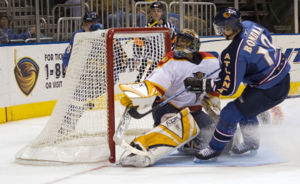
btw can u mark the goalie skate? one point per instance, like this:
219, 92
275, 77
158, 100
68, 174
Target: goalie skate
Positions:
206, 154
134, 160
191, 147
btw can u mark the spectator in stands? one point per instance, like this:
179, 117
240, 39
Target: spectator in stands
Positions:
158, 19
6, 34
89, 22
141, 14
116, 16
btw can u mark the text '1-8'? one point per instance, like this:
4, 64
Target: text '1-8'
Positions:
57, 71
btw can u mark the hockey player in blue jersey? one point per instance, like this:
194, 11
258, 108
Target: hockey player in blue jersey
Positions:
89, 22
250, 58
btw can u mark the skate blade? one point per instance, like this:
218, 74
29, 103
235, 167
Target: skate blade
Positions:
197, 160
250, 153
187, 151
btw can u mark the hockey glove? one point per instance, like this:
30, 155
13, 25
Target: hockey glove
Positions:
199, 85
95, 27
212, 105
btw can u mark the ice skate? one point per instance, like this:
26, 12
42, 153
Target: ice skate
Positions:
206, 154
245, 148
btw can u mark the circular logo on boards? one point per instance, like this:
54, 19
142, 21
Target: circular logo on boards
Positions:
26, 73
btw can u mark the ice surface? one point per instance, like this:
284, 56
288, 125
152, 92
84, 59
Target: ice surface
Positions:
278, 160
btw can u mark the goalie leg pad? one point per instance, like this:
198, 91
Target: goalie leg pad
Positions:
164, 138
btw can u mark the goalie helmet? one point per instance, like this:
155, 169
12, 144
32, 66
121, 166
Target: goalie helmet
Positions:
227, 18
192, 36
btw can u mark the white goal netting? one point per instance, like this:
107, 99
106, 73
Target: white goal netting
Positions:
82, 123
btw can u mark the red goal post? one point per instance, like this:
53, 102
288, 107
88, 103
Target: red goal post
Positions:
110, 59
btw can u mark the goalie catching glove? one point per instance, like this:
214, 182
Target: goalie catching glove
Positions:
199, 85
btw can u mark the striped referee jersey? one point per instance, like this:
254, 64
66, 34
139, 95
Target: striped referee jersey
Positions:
169, 25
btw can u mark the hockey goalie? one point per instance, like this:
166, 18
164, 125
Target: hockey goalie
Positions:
181, 123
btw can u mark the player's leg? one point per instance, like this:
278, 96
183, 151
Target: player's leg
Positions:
207, 126
158, 114
251, 137
205, 123
264, 117
223, 134
252, 102
162, 140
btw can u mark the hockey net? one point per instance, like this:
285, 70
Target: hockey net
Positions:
82, 124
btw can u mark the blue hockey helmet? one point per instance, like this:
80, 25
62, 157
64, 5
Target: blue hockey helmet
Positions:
90, 16
227, 18
192, 36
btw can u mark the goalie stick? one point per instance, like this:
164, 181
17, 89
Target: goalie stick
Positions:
119, 134
292, 96
135, 114
149, 64
217, 40
124, 123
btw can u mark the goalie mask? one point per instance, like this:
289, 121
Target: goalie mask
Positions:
192, 38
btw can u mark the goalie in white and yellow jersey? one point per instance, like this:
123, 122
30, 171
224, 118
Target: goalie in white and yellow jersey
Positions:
181, 120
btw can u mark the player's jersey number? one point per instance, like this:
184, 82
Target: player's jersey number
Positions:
266, 42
